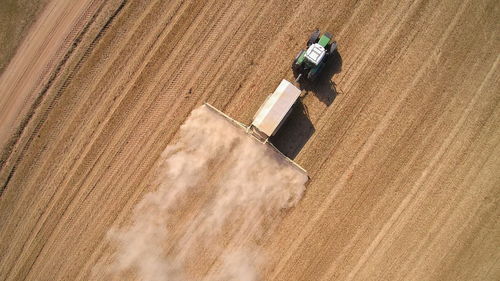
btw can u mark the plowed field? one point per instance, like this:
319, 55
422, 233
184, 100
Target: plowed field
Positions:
400, 136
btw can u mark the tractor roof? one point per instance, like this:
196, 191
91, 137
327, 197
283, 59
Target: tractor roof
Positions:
315, 53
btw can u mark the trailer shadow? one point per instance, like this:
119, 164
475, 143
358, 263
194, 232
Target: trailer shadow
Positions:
295, 132
324, 88
298, 128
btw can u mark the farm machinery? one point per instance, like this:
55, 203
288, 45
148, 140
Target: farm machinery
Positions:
310, 61
278, 105
270, 116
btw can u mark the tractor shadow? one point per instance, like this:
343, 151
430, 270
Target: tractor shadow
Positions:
324, 88
295, 132
298, 128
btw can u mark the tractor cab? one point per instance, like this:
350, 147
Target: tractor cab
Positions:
315, 54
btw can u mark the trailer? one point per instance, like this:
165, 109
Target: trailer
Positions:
274, 111
270, 116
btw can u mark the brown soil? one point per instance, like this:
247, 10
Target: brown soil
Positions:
16, 17
402, 146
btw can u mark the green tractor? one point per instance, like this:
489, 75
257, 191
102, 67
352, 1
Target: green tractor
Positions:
311, 61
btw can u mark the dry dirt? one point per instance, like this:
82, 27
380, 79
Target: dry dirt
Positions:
16, 17
402, 147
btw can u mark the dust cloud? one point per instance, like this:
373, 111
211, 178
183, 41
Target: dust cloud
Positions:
219, 193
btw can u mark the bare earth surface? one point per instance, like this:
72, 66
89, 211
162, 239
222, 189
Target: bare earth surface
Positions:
16, 18
33, 68
404, 159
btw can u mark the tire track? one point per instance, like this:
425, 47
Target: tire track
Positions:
50, 106
6, 150
360, 155
125, 101
147, 145
361, 102
50, 208
418, 183
61, 139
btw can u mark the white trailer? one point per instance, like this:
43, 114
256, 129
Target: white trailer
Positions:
270, 116
275, 109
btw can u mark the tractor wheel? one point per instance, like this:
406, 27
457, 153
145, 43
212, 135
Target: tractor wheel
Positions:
295, 65
297, 56
313, 38
333, 47
329, 35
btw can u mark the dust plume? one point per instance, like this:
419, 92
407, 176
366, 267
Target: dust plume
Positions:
219, 192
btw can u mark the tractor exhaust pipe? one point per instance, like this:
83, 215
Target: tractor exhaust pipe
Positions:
298, 78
